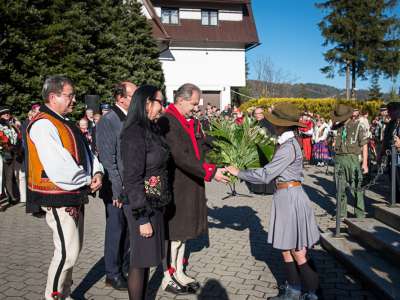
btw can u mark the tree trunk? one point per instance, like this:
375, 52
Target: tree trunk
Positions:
347, 80
353, 80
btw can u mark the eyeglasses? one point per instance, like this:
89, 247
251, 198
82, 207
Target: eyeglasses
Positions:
69, 96
157, 100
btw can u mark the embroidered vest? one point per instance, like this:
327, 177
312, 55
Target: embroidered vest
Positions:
41, 190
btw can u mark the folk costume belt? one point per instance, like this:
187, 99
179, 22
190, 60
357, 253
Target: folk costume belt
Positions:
288, 184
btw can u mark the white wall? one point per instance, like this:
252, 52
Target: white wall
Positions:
195, 14
210, 69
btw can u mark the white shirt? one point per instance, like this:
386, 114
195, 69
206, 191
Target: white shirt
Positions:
285, 136
57, 162
123, 110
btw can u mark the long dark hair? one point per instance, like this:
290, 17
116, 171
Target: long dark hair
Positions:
137, 113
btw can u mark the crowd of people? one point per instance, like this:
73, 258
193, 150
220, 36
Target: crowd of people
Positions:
148, 162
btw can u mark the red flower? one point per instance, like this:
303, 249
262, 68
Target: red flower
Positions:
3, 137
153, 181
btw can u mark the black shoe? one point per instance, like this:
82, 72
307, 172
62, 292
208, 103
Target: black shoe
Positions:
117, 283
287, 293
125, 274
193, 287
175, 288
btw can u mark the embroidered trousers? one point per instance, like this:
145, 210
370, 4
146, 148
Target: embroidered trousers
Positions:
67, 227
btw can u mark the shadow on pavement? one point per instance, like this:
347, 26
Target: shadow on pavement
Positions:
320, 198
213, 289
91, 278
244, 217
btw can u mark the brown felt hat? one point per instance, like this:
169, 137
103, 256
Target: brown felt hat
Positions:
341, 113
285, 114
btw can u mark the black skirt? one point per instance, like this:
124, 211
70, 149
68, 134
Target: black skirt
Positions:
146, 252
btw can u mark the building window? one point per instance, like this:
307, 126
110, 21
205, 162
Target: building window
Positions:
209, 17
170, 16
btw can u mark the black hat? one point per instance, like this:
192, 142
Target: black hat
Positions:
393, 106
4, 110
106, 106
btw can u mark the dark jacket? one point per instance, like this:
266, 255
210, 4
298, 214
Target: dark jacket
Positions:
264, 123
108, 145
186, 215
144, 155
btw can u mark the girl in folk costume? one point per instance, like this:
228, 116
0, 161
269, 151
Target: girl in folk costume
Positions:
320, 150
292, 227
306, 133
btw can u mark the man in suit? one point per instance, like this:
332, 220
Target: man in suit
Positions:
108, 130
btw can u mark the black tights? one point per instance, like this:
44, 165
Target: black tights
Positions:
137, 283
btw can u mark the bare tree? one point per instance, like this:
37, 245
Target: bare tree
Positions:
270, 80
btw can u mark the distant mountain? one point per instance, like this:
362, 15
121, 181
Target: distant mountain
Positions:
303, 90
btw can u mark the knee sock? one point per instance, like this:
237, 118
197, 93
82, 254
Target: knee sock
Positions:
292, 274
137, 283
180, 274
309, 278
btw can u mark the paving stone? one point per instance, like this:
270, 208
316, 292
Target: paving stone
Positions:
238, 264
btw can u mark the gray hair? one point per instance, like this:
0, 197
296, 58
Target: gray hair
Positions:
54, 84
186, 90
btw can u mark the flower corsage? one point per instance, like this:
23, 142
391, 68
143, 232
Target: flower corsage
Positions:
152, 186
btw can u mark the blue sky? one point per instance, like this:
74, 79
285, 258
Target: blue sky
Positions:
291, 38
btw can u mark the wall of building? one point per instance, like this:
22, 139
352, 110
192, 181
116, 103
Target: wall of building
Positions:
216, 69
195, 14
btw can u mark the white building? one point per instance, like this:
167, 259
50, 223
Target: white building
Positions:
203, 42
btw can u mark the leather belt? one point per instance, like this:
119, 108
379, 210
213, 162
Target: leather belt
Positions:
287, 184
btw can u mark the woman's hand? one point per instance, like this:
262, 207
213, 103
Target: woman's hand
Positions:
397, 142
233, 170
146, 230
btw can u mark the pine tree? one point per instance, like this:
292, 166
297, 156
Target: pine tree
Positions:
375, 89
358, 31
96, 43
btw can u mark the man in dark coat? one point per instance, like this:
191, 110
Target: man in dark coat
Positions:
187, 215
263, 122
270, 130
108, 130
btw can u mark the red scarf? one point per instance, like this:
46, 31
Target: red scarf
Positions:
188, 125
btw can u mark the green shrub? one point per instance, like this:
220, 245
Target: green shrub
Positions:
322, 107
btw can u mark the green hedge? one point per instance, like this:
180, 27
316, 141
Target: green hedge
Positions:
322, 107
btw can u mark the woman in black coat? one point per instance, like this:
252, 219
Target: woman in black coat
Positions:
145, 156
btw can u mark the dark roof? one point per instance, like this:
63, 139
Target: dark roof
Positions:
158, 29
226, 32
174, 2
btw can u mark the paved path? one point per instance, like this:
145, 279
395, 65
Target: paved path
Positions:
234, 263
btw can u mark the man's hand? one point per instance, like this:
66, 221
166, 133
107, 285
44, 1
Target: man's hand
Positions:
220, 177
233, 170
397, 142
117, 203
365, 169
97, 182
146, 230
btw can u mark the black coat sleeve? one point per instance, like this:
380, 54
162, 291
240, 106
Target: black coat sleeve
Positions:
133, 153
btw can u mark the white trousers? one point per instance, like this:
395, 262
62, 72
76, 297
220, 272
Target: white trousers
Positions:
67, 237
21, 181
